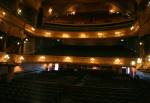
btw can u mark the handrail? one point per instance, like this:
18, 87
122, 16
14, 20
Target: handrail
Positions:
18, 59
88, 27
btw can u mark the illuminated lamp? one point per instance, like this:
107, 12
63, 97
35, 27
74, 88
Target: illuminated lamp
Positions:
58, 40
133, 63
149, 58
19, 11
117, 61
48, 34
141, 43
67, 59
132, 27
1, 37
50, 11
148, 4
73, 13
33, 29
5, 58
114, 9
122, 40
42, 58
83, 35
117, 33
24, 42
139, 60
19, 59
92, 60
4, 13
111, 11
18, 43
117, 12
100, 35
65, 35
26, 39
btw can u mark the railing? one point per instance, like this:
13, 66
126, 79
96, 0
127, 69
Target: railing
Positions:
120, 61
18, 59
94, 27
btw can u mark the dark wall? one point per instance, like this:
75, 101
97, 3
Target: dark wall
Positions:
127, 48
146, 40
9, 43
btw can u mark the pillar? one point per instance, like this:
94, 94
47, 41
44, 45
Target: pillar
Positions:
5, 44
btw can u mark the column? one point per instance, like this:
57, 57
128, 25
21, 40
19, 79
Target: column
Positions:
5, 44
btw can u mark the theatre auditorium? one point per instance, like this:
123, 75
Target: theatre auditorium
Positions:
74, 51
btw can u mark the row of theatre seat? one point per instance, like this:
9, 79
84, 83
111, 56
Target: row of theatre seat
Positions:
35, 88
19, 92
